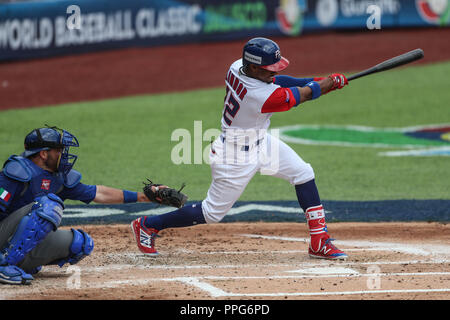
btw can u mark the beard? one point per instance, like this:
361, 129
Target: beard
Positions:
52, 163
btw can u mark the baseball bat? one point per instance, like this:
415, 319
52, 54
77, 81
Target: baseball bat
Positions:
390, 63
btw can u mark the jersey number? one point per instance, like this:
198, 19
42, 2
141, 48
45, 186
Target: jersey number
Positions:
231, 108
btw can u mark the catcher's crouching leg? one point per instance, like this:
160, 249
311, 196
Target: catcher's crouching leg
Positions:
82, 246
44, 217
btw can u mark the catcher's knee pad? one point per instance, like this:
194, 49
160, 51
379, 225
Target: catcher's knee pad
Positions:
45, 216
82, 246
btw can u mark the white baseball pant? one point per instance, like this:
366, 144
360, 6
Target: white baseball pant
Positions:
234, 165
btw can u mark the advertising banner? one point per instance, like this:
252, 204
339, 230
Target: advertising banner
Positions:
52, 27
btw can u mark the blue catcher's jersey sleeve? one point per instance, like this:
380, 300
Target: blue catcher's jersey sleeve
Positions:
8, 189
81, 192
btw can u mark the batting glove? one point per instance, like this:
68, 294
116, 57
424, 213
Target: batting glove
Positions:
339, 80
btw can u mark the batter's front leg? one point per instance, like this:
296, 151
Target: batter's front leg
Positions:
320, 245
285, 163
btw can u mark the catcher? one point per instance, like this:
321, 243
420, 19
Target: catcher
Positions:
33, 187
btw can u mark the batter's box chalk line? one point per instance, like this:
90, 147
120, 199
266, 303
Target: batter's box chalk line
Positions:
416, 249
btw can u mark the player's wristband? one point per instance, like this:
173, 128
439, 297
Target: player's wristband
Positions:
315, 87
129, 196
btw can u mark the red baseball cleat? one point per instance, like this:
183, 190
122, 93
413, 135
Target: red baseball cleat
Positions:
324, 249
145, 237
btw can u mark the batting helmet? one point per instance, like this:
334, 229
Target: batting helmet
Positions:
264, 53
52, 138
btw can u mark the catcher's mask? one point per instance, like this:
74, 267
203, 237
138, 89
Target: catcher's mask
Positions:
264, 53
52, 138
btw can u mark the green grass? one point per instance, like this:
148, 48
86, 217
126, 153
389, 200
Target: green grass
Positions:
124, 141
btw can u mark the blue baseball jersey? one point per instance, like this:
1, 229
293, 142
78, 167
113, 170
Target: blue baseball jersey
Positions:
22, 181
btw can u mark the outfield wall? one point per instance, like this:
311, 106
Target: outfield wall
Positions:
274, 211
55, 27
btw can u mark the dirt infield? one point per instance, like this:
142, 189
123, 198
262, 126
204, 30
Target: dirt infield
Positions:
234, 261
175, 68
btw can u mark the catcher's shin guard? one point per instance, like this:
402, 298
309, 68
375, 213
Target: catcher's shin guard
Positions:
44, 217
145, 237
82, 246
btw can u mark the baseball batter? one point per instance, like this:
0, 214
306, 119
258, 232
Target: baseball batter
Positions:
254, 92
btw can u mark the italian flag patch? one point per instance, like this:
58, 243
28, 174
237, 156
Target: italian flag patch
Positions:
4, 195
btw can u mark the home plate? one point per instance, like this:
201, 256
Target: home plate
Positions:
326, 270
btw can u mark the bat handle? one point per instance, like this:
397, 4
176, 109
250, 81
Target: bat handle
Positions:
359, 75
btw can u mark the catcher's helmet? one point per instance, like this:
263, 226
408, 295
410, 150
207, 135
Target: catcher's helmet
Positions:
52, 138
264, 53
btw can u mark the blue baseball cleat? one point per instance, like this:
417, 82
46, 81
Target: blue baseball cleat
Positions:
14, 275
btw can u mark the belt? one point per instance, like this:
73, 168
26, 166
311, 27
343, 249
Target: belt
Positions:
245, 148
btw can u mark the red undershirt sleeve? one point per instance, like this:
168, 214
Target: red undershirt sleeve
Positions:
282, 99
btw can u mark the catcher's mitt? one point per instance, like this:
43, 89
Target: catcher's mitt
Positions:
166, 196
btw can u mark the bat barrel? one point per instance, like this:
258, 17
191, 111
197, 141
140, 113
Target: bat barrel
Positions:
400, 60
